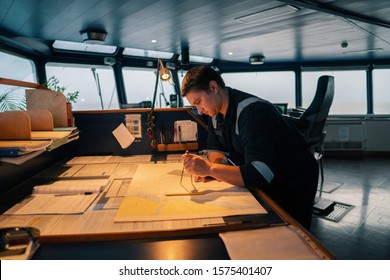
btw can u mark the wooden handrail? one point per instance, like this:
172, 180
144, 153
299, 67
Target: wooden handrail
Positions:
18, 83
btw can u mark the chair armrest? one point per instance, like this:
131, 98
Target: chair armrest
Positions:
300, 124
296, 112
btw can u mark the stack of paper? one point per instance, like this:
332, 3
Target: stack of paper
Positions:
60, 197
58, 138
19, 151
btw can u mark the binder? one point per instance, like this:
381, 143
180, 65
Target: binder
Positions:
55, 102
26, 134
15, 125
41, 120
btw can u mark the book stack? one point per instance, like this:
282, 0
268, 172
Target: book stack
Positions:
20, 151
26, 134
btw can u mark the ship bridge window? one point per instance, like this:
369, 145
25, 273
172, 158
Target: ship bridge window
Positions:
350, 96
82, 47
181, 74
16, 68
274, 86
381, 96
96, 84
139, 86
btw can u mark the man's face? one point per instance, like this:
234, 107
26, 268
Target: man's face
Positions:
206, 102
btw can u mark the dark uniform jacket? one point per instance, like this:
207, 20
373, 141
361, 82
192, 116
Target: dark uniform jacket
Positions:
271, 154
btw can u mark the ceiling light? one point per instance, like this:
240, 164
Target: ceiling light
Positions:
267, 14
147, 53
256, 60
364, 51
93, 36
81, 47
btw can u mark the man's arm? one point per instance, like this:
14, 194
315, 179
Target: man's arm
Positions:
217, 157
198, 166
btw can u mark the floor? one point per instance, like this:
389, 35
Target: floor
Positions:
364, 231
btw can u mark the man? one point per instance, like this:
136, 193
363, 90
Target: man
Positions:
248, 131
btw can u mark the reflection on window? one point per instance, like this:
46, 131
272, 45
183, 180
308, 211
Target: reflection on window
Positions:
381, 95
140, 83
96, 85
17, 68
276, 87
350, 90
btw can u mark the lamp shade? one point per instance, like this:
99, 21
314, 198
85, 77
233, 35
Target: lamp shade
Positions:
165, 74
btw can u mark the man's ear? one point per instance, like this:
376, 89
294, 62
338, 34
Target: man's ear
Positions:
213, 87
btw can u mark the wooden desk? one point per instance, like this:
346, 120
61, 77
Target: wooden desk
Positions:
95, 235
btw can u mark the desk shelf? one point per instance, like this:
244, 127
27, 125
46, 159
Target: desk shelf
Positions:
191, 146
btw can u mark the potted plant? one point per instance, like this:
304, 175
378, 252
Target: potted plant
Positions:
54, 84
10, 100
71, 97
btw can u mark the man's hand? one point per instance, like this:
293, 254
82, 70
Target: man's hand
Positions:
203, 179
196, 165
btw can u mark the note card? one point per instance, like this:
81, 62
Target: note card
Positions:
123, 136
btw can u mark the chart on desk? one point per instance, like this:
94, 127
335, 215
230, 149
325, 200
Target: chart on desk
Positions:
160, 192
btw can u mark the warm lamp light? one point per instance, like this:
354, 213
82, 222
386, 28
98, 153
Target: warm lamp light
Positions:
165, 74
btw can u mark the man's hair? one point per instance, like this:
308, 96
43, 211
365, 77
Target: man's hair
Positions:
198, 78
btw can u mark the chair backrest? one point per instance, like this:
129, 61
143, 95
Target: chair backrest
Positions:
318, 111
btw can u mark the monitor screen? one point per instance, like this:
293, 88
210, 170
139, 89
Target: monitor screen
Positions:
282, 107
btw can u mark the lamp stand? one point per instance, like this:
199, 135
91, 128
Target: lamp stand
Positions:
151, 117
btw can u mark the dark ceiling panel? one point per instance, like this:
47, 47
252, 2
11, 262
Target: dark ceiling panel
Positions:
208, 28
5, 7
17, 14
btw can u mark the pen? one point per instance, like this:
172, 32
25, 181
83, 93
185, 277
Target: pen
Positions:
227, 224
231, 162
182, 171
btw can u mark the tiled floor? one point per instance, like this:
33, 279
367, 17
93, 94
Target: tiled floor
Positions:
364, 232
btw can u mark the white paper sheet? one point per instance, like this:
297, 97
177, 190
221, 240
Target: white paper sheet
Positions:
123, 136
147, 199
44, 204
274, 243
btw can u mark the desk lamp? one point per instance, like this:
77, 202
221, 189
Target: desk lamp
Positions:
165, 75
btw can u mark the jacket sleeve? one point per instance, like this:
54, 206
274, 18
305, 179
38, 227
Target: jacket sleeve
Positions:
258, 130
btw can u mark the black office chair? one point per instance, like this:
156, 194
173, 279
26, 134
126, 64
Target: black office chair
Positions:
318, 152
311, 122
